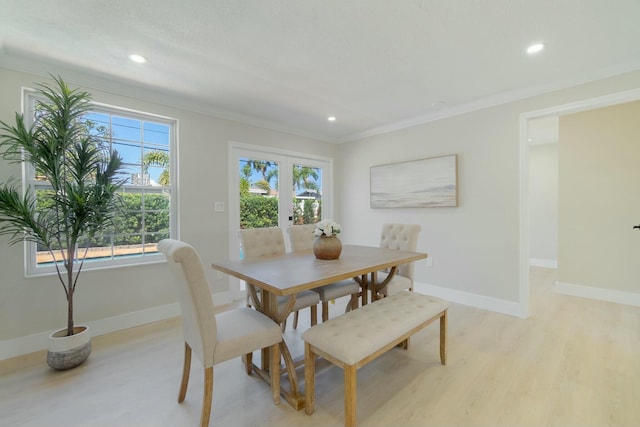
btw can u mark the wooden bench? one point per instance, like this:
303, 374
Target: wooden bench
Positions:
354, 339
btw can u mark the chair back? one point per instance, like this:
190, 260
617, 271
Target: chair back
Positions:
259, 242
198, 319
301, 237
403, 237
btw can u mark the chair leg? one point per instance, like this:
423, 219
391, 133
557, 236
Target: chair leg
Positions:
208, 397
275, 373
295, 320
314, 315
353, 304
186, 368
443, 338
325, 311
283, 327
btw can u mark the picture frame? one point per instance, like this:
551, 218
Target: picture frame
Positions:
424, 183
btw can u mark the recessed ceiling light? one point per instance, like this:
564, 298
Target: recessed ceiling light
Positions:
535, 48
138, 59
331, 119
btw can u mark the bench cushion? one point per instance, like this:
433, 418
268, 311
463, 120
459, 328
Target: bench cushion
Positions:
357, 334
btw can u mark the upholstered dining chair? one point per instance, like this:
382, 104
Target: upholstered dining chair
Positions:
214, 338
259, 242
301, 238
402, 237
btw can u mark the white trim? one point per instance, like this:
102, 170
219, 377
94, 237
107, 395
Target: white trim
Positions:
574, 107
492, 101
511, 308
546, 263
523, 205
39, 341
28, 344
601, 294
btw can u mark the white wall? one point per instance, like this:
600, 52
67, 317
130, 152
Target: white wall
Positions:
600, 201
543, 202
116, 298
475, 247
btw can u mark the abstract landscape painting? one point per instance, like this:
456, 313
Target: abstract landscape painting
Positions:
421, 183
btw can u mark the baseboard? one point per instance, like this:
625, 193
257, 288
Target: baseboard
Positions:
609, 295
547, 263
474, 300
39, 341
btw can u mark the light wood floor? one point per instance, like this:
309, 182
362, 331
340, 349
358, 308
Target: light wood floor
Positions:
575, 362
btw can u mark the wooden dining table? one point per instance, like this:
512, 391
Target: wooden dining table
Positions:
269, 278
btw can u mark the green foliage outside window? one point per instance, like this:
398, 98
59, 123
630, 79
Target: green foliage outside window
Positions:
128, 220
308, 213
258, 211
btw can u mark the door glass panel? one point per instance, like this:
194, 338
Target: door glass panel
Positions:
307, 194
258, 193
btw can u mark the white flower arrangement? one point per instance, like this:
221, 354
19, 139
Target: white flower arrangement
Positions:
327, 228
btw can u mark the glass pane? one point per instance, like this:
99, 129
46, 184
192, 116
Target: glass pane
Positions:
156, 221
155, 163
156, 133
125, 129
98, 125
258, 193
307, 194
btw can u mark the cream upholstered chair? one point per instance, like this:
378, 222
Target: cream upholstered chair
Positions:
301, 238
215, 338
259, 242
402, 237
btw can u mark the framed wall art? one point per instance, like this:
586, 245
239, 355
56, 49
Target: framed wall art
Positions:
423, 183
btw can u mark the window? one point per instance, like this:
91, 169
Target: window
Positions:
146, 144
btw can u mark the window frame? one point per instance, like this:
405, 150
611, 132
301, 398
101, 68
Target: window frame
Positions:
31, 269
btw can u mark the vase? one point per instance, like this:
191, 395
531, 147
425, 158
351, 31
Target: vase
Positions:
327, 247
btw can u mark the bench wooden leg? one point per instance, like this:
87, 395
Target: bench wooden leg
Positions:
443, 338
309, 379
350, 400
247, 359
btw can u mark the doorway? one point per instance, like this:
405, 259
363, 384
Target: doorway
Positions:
525, 125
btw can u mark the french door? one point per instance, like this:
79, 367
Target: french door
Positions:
270, 187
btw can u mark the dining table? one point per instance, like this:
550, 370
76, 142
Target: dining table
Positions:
270, 278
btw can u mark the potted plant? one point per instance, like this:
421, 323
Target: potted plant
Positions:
83, 179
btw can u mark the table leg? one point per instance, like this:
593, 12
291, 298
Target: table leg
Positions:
376, 287
365, 289
269, 306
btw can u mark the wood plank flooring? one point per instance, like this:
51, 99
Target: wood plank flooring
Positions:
575, 362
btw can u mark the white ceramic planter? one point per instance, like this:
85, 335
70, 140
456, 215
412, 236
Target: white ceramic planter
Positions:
66, 352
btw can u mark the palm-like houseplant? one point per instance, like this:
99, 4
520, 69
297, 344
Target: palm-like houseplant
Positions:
83, 175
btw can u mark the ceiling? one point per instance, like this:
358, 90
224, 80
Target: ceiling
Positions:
376, 65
